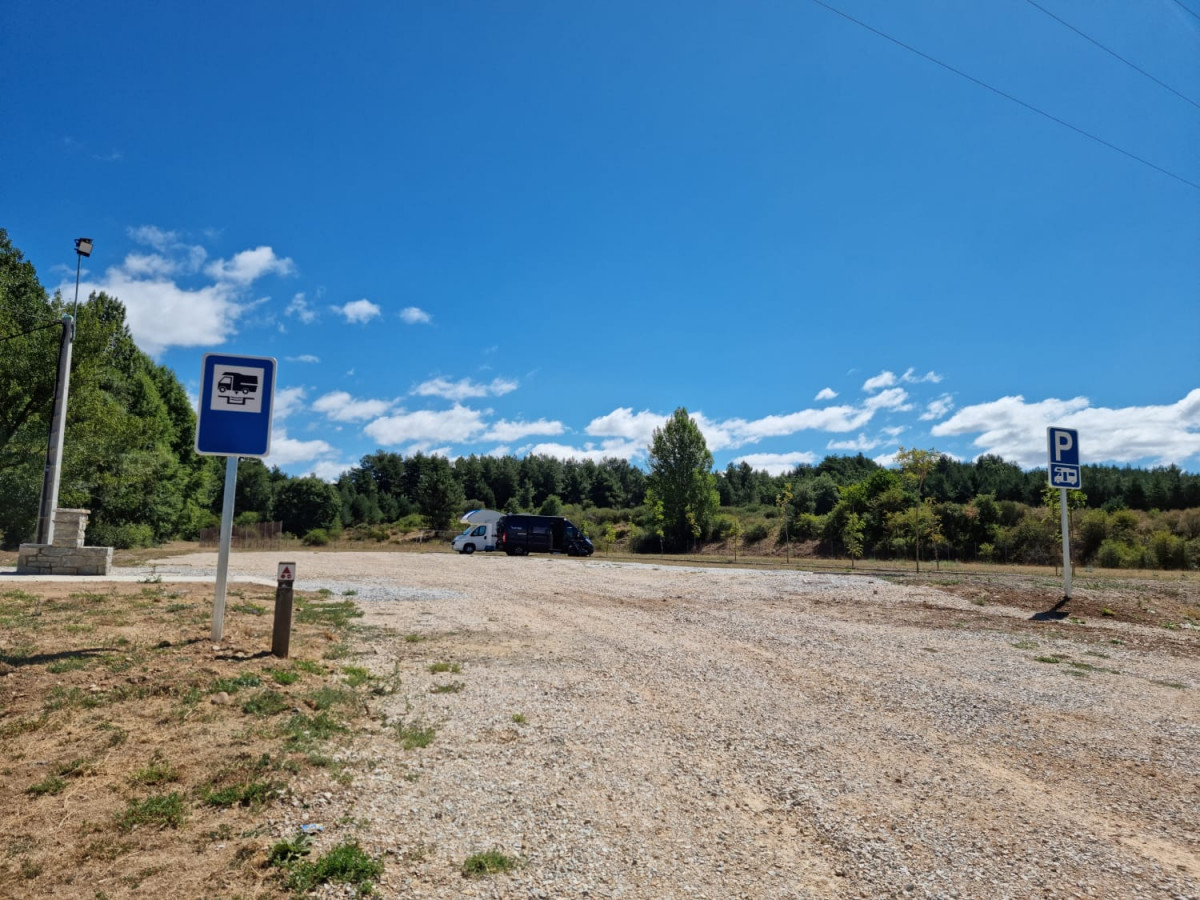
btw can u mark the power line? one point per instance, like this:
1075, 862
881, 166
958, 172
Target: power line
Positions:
1113, 53
1186, 9
1007, 96
30, 331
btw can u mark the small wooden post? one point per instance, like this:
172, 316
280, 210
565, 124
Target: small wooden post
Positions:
281, 635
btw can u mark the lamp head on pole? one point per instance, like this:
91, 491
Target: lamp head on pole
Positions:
83, 246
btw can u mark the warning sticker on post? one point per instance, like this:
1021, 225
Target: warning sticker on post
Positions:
287, 572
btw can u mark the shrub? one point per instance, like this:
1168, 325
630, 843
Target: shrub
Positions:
759, 531
318, 537
123, 537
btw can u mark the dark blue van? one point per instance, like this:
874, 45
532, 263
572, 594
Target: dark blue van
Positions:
519, 534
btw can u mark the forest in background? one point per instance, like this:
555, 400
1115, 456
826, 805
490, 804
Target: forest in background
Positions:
130, 460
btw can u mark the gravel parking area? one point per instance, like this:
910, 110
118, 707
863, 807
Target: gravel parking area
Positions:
651, 731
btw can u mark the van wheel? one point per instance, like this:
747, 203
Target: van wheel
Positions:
468, 549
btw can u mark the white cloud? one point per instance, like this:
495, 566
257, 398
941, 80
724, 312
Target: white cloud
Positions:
456, 424
826, 394
358, 311
887, 379
341, 407
937, 409
287, 401
614, 449
776, 463
464, 388
162, 314
882, 380
328, 470
893, 398
625, 423
304, 358
929, 377
514, 431
414, 315
286, 451
301, 310
855, 445
153, 236
249, 265
1016, 429
152, 265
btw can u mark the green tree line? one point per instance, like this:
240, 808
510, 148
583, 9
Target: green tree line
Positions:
130, 460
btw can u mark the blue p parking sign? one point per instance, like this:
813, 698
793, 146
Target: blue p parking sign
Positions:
1063, 461
237, 396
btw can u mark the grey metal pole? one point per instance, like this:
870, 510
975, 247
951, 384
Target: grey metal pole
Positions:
218, 624
1066, 543
52, 476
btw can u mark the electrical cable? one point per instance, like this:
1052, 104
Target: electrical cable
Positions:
1007, 96
1113, 53
30, 331
1187, 10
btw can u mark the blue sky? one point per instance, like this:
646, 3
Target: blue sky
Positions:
541, 227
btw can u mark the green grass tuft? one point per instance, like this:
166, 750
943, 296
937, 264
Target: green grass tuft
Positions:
490, 862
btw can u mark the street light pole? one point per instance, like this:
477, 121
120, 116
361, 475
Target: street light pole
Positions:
52, 475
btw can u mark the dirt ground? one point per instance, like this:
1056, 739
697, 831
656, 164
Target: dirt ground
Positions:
140, 758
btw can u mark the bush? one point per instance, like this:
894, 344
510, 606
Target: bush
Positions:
123, 537
759, 531
318, 537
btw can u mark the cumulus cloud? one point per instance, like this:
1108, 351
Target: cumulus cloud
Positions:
937, 409
287, 401
505, 430
249, 265
776, 463
1016, 429
414, 315
286, 451
358, 311
464, 388
614, 449
301, 310
328, 470
826, 394
163, 312
422, 426
882, 380
623, 422
339, 406
855, 445
887, 379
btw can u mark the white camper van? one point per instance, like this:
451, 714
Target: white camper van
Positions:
480, 533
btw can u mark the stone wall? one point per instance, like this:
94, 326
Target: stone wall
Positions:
67, 555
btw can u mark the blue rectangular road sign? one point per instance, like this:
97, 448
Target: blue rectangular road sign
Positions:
1063, 467
237, 398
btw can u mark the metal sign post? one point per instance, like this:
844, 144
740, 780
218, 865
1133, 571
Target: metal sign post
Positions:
1064, 472
237, 398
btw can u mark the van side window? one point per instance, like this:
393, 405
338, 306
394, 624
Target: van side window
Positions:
480, 531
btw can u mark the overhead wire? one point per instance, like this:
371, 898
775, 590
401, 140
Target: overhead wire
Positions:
1009, 97
1113, 53
1186, 9
30, 331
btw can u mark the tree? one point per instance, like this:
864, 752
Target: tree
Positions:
439, 495
681, 478
303, 504
852, 537
784, 501
916, 465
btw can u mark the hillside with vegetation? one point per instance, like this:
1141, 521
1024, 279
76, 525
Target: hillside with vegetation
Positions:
129, 459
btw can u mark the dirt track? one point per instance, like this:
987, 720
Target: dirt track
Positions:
644, 731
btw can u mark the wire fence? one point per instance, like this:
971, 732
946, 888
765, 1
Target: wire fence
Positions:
257, 536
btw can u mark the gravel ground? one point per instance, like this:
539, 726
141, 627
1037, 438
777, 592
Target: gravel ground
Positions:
650, 731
